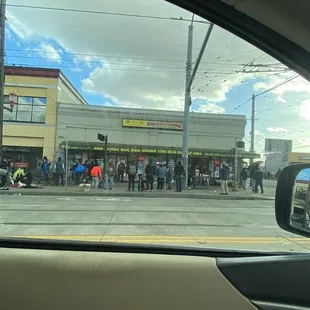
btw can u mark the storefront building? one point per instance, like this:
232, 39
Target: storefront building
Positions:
298, 158
30, 129
151, 134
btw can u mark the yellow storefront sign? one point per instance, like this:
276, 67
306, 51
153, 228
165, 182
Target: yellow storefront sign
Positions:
152, 124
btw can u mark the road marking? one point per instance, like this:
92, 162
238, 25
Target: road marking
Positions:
174, 239
67, 198
110, 199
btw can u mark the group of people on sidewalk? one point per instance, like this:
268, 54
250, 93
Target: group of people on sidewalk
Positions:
256, 176
145, 178
153, 174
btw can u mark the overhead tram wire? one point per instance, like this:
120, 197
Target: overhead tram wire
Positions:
114, 56
116, 63
104, 13
265, 91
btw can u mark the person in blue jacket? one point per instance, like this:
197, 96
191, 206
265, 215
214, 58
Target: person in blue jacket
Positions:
45, 167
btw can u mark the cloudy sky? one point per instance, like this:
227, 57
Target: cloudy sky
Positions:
132, 61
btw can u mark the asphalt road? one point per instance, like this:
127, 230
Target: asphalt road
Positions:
210, 223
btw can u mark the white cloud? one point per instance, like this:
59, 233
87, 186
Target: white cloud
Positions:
210, 108
72, 69
304, 141
297, 85
258, 133
142, 61
277, 129
15, 24
280, 99
46, 51
305, 110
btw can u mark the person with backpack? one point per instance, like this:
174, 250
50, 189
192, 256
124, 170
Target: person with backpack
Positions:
131, 171
110, 175
78, 171
120, 172
161, 176
150, 172
59, 169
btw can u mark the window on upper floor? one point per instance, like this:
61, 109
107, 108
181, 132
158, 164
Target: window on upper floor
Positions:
27, 110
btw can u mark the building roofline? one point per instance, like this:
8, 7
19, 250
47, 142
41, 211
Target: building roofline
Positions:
44, 73
171, 112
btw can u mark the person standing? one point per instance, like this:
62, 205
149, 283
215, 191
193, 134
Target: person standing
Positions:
224, 173
277, 175
253, 171
169, 176
150, 172
132, 171
258, 176
59, 169
45, 167
244, 177
161, 176
179, 174
140, 170
96, 175
120, 172
110, 175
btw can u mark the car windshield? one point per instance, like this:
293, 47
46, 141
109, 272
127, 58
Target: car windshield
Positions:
139, 122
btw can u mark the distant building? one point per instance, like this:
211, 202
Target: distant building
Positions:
298, 158
30, 130
277, 154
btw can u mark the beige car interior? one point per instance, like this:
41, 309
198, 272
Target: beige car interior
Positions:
40, 279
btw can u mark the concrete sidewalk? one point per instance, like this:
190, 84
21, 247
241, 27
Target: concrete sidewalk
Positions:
120, 190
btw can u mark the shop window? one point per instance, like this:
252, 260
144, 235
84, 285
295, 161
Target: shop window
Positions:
27, 109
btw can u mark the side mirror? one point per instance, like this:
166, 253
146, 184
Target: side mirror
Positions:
293, 199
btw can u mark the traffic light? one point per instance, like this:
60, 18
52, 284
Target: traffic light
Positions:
101, 137
240, 144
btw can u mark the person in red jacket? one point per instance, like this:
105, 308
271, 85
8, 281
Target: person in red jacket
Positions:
96, 175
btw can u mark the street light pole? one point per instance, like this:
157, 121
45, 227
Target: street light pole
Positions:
2, 77
252, 128
67, 146
236, 167
187, 102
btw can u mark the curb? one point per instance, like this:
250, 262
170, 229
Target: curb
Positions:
135, 195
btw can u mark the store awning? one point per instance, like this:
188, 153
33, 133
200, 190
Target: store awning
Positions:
116, 148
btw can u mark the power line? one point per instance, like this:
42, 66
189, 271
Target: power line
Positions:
115, 63
112, 56
278, 85
104, 13
264, 92
240, 105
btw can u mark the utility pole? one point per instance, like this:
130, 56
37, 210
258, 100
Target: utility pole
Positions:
252, 128
2, 77
236, 167
66, 163
187, 101
105, 156
189, 81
